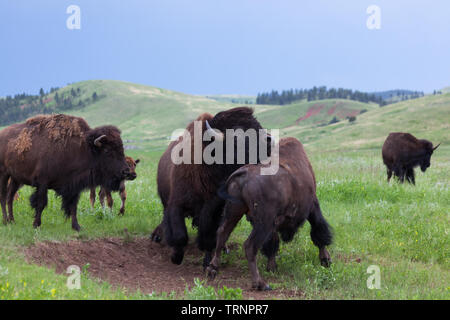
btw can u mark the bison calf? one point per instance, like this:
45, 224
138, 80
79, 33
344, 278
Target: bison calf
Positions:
402, 152
105, 192
273, 204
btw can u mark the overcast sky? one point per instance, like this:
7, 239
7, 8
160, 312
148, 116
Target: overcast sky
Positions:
226, 46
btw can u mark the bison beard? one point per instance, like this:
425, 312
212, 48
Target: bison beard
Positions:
61, 153
190, 190
402, 152
273, 204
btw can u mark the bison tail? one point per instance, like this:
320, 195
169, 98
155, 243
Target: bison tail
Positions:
222, 192
321, 232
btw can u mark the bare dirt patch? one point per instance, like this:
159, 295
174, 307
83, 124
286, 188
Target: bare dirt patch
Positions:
144, 265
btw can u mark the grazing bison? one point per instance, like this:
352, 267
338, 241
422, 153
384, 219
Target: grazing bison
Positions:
402, 152
273, 204
190, 190
61, 153
104, 192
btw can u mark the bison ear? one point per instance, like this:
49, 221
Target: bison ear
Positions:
436, 147
137, 161
98, 141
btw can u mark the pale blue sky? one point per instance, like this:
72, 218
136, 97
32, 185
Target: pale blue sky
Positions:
226, 46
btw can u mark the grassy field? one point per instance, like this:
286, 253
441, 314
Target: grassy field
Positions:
402, 229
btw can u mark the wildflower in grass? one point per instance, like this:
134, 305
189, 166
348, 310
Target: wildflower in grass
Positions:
53, 292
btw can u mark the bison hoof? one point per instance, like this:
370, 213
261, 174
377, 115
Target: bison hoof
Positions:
271, 268
177, 258
262, 286
212, 272
155, 238
76, 228
325, 262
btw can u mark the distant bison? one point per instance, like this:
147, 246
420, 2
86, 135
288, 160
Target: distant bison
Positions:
190, 190
402, 152
104, 192
273, 204
61, 153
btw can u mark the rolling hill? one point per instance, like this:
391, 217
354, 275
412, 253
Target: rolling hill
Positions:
148, 115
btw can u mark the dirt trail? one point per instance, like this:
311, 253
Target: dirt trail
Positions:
144, 265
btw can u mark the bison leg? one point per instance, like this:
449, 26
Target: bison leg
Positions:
38, 201
389, 174
320, 233
252, 244
12, 189
207, 227
123, 197
3, 192
270, 249
92, 197
232, 215
399, 173
410, 176
109, 199
101, 196
175, 232
69, 204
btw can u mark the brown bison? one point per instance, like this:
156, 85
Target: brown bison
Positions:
61, 153
104, 192
190, 190
273, 204
402, 152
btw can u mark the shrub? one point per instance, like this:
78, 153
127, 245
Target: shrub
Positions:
334, 120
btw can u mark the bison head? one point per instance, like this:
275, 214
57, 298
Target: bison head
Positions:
238, 128
109, 164
132, 165
428, 152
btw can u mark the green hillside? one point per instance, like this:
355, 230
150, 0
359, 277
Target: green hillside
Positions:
148, 115
427, 117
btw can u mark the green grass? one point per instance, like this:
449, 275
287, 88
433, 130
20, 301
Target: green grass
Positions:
403, 229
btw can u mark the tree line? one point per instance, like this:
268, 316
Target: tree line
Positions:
19, 107
321, 93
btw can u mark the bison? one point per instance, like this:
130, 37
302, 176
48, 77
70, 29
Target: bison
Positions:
61, 153
190, 190
104, 192
402, 152
273, 204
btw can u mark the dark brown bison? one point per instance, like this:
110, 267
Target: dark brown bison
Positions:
402, 152
190, 190
61, 153
104, 192
273, 204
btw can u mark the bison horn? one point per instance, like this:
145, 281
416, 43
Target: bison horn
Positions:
98, 141
436, 147
213, 133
